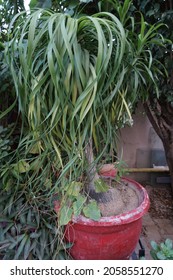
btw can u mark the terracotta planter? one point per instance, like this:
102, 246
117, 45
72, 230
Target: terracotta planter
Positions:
110, 238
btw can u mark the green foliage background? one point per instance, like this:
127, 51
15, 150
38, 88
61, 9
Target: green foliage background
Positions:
28, 223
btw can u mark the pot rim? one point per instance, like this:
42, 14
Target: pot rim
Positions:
120, 219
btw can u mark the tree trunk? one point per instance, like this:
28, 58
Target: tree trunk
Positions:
160, 114
92, 174
169, 157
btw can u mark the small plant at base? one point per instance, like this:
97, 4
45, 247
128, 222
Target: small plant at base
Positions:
162, 251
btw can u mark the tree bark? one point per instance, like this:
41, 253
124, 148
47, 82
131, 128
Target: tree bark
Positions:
92, 174
160, 114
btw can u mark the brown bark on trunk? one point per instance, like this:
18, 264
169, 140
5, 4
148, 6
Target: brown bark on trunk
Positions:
92, 174
160, 114
169, 157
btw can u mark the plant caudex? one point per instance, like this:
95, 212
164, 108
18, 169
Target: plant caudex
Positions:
76, 82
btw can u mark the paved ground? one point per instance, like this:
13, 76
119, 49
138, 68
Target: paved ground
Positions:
158, 222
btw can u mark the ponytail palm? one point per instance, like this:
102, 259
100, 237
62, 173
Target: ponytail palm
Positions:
76, 82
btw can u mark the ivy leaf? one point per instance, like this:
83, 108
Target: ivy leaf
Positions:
65, 215
22, 166
36, 148
101, 186
92, 211
73, 188
78, 205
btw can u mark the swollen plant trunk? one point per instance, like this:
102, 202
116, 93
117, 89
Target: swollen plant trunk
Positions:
92, 174
160, 114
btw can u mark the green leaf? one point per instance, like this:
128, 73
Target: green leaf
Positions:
35, 235
100, 186
5, 219
67, 245
163, 246
153, 255
6, 229
48, 183
161, 256
154, 245
170, 254
65, 215
73, 188
19, 238
4, 246
168, 243
20, 249
22, 166
48, 225
46, 4
36, 148
92, 211
33, 4
86, 1
9, 184
27, 248
29, 216
78, 205
9, 109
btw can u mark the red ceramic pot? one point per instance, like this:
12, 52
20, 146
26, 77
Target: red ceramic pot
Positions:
110, 238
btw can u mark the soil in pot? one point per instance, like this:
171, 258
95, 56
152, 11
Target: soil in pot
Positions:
119, 199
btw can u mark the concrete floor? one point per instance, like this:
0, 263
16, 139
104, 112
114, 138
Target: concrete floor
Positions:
157, 228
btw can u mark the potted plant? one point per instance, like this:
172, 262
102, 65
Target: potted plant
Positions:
77, 80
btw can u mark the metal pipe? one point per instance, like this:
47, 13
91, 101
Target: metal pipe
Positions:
155, 169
